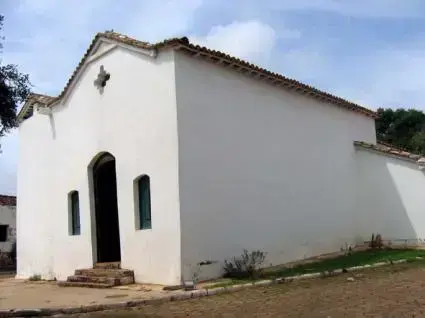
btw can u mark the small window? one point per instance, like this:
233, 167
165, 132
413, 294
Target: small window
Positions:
3, 232
74, 213
144, 203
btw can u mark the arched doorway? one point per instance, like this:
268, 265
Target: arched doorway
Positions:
106, 209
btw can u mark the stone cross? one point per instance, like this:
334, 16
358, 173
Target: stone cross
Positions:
101, 79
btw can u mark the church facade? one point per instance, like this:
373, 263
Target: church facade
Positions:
170, 158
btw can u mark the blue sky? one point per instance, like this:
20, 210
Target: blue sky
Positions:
368, 51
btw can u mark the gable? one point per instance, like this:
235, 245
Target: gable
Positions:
102, 47
99, 48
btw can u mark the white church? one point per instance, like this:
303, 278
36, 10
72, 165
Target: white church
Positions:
161, 157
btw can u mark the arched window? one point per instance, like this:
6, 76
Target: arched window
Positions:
143, 195
74, 213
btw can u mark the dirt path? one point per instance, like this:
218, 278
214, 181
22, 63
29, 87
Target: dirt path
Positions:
397, 291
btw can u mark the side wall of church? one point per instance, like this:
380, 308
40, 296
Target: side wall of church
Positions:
134, 119
261, 168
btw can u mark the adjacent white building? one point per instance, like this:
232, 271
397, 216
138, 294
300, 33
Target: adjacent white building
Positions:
169, 155
7, 222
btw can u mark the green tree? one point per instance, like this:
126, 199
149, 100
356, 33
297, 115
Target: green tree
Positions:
14, 89
418, 142
403, 128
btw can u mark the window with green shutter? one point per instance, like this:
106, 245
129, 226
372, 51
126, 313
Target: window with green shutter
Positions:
144, 195
74, 217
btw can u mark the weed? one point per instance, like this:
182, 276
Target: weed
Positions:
248, 265
34, 278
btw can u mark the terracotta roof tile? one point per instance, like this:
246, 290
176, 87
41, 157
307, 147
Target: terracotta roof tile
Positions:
387, 149
33, 99
42, 99
183, 44
7, 200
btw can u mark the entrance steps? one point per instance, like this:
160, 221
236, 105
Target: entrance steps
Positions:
102, 275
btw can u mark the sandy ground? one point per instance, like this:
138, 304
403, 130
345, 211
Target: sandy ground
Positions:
395, 291
23, 294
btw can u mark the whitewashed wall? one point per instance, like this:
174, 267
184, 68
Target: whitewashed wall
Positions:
391, 197
8, 217
135, 120
261, 168
248, 166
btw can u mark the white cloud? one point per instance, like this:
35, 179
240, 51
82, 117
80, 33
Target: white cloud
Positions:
57, 33
305, 64
153, 21
37, 7
49, 38
249, 40
379, 78
46, 38
389, 78
358, 8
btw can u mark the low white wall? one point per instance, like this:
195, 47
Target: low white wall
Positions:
8, 217
391, 197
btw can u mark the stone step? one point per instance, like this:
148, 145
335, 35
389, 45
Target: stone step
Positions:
103, 275
125, 280
84, 284
91, 279
109, 265
96, 272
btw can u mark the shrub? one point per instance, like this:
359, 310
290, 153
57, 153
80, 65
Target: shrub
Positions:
248, 265
376, 241
195, 274
347, 249
35, 278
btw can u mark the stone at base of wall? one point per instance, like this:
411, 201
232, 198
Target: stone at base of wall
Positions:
179, 295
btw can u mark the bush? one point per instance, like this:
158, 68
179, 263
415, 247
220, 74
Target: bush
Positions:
376, 241
35, 278
248, 265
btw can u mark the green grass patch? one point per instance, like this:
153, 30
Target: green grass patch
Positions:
360, 258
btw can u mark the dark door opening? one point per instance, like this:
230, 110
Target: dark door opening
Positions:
106, 210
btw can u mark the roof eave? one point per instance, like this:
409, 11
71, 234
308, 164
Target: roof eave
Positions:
216, 57
391, 151
252, 70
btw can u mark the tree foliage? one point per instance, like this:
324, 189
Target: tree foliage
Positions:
14, 89
403, 128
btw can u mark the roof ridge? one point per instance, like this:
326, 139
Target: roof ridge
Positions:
183, 44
